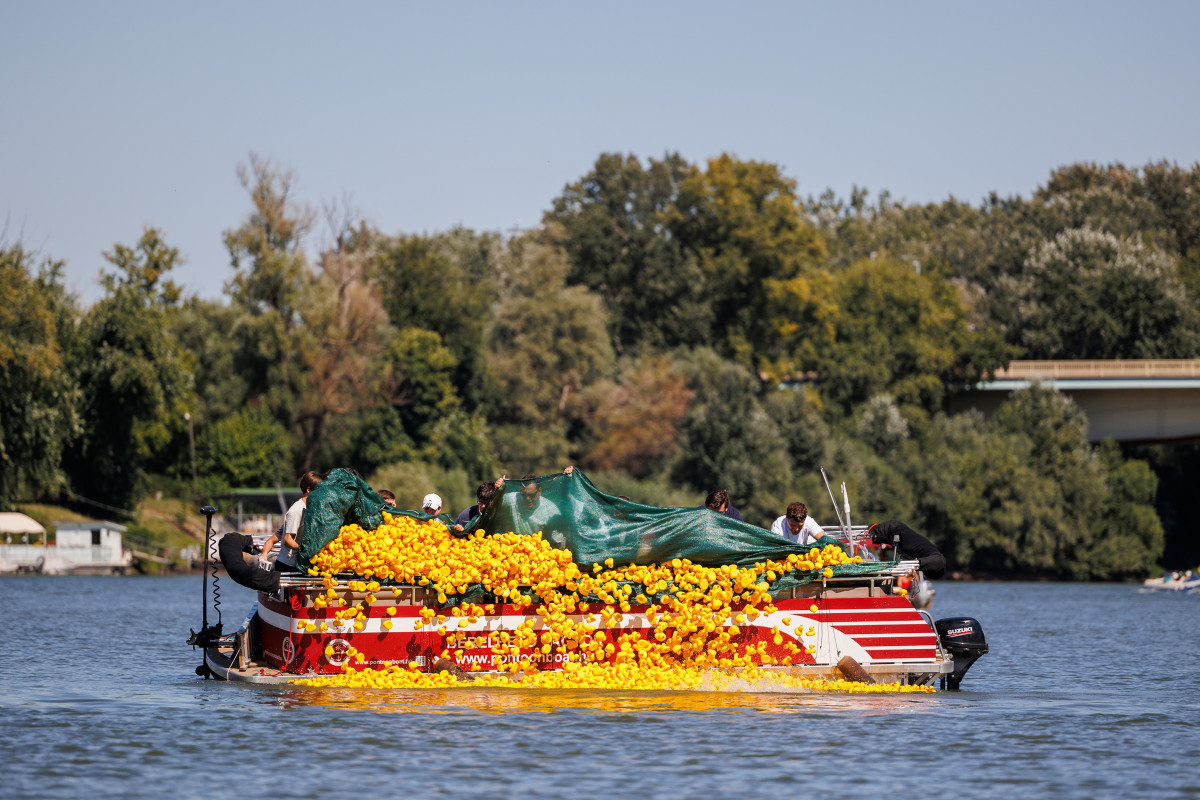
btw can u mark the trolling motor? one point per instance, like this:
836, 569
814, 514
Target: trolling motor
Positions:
209, 635
963, 639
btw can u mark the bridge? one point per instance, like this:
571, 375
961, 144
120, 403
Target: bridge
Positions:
1131, 400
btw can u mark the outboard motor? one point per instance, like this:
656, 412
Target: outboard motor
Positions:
963, 639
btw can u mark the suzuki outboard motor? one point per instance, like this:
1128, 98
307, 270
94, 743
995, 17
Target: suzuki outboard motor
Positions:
963, 639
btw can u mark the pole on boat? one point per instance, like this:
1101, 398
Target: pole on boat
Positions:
837, 513
208, 512
849, 524
845, 529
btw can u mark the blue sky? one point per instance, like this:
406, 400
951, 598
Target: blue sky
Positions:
119, 115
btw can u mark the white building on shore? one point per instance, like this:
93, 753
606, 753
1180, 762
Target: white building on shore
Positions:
92, 547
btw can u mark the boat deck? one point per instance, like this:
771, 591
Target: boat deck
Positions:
225, 664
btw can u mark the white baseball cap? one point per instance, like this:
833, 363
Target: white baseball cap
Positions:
431, 501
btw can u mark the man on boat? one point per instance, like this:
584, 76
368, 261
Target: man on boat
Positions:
909, 544
288, 534
483, 496
797, 525
532, 513
718, 501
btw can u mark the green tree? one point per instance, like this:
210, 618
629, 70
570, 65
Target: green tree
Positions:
757, 252
134, 383
1061, 454
1175, 466
1025, 494
729, 441
421, 369
901, 333
461, 441
547, 346
1167, 199
245, 449
1176, 192
270, 285
1127, 537
682, 256
38, 394
612, 223
442, 283
1088, 294
803, 432
878, 484
345, 334
201, 327
984, 501
376, 437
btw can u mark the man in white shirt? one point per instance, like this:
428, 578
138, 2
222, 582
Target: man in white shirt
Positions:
288, 534
797, 525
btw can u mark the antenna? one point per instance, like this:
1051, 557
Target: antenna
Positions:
837, 513
849, 533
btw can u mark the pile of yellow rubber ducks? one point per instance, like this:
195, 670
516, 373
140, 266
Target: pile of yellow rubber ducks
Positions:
690, 608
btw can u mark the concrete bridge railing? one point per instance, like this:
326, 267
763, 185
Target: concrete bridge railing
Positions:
1144, 400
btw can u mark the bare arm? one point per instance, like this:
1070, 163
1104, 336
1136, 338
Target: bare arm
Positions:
267, 545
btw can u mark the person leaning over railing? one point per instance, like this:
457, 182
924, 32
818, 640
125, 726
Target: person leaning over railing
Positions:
909, 544
797, 525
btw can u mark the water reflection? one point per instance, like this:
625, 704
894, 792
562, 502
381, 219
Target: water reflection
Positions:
548, 701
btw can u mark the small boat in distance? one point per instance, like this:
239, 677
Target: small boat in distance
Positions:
1172, 582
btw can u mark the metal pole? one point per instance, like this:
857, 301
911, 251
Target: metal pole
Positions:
208, 512
849, 524
837, 513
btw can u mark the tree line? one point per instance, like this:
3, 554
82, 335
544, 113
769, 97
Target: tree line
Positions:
671, 327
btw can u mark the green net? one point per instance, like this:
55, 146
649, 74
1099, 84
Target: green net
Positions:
341, 498
572, 514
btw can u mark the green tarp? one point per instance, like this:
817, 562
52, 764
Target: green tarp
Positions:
341, 498
573, 514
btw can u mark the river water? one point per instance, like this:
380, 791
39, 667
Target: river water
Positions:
1088, 691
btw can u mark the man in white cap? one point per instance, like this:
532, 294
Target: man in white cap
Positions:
431, 505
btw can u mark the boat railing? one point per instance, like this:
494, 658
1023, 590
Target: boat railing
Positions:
858, 536
942, 654
838, 532
884, 576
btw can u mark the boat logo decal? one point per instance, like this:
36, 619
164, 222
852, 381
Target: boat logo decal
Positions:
340, 647
960, 631
289, 650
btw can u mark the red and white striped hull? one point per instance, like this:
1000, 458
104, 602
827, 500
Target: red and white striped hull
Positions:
882, 632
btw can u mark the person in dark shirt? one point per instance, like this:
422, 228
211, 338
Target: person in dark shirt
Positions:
911, 545
719, 501
483, 496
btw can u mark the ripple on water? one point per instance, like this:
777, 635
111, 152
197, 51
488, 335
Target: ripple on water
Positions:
1088, 691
